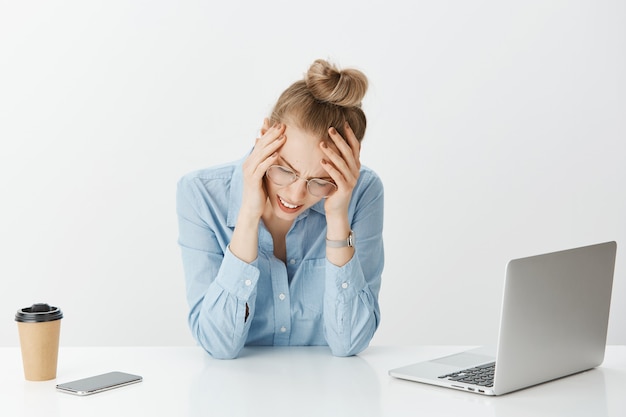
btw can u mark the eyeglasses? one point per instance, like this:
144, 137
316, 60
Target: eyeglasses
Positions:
282, 177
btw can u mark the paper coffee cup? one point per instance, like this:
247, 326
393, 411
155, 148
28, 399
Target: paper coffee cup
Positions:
39, 327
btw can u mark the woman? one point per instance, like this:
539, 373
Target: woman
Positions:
285, 246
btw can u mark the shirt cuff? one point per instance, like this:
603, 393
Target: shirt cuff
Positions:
238, 277
347, 280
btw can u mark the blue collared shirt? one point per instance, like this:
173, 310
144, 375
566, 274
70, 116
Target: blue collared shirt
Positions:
305, 301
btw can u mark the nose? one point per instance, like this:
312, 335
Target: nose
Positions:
298, 190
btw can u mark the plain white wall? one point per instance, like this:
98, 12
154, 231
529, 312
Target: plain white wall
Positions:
497, 127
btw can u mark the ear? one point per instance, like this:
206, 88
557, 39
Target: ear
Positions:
266, 126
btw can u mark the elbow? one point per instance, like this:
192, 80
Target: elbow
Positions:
219, 350
350, 349
223, 355
343, 353
355, 341
217, 345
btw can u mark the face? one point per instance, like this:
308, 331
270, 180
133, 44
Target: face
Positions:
302, 155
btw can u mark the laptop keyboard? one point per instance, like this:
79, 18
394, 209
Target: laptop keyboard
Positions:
479, 375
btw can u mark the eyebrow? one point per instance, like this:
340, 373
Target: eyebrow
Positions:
298, 173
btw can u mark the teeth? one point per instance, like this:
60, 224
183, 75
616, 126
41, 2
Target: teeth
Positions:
284, 203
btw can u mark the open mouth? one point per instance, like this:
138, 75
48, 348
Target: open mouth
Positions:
288, 207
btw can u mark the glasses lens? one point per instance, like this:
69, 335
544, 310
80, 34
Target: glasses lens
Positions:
280, 175
321, 188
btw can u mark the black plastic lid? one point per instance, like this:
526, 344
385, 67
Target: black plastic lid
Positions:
38, 313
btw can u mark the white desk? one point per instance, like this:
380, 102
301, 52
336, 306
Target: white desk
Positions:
294, 382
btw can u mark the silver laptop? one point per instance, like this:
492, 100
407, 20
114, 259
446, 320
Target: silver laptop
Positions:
554, 321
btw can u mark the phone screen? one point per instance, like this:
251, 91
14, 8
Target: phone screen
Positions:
99, 383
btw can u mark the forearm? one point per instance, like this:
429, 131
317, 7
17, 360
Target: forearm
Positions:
219, 326
351, 309
217, 315
351, 312
338, 228
245, 240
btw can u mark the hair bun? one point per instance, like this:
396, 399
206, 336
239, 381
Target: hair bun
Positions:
340, 87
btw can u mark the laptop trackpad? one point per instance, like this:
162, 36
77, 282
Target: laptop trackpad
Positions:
464, 359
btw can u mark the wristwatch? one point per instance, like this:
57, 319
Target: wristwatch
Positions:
349, 242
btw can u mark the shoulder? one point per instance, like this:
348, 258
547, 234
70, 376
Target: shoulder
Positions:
368, 192
212, 186
215, 176
210, 173
369, 179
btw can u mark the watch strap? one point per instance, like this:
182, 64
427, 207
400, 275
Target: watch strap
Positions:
348, 242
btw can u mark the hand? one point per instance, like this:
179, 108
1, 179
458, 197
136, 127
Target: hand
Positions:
343, 164
260, 159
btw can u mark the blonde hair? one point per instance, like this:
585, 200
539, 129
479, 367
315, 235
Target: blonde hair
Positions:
327, 96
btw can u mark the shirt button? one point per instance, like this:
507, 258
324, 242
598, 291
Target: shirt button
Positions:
283, 329
292, 261
248, 282
281, 296
344, 285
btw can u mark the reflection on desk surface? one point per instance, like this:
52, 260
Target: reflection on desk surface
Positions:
582, 394
319, 385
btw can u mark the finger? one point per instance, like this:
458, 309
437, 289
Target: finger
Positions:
338, 169
268, 133
264, 150
272, 132
345, 180
333, 172
347, 154
333, 156
256, 169
266, 144
350, 139
262, 167
348, 147
263, 155
354, 143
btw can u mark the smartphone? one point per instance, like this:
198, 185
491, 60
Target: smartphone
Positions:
98, 383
